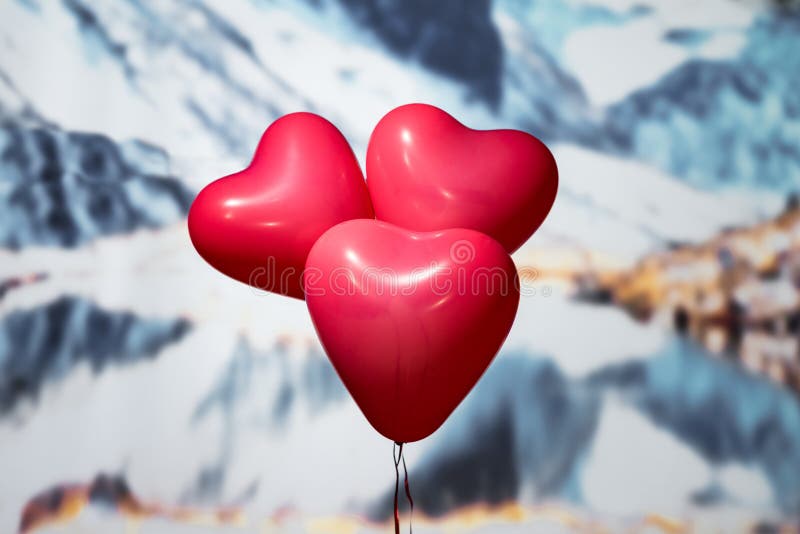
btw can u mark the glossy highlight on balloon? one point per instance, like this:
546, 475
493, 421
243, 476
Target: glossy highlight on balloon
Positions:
410, 320
427, 171
258, 225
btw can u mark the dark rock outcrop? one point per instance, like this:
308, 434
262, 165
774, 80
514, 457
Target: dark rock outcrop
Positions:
44, 344
454, 38
66, 188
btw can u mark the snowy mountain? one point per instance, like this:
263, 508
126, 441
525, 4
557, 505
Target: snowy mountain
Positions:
529, 432
723, 122
67, 188
122, 352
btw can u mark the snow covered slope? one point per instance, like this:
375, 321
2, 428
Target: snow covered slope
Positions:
122, 352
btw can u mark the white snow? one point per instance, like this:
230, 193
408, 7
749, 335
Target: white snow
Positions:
613, 61
628, 209
635, 468
580, 337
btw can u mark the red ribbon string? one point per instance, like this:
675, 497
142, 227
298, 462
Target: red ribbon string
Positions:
398, 457
396, 460
408, 494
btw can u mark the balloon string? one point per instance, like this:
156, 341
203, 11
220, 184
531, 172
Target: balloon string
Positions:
408, 494
396, 460
398, 457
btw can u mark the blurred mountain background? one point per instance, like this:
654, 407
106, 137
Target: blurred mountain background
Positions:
650, 382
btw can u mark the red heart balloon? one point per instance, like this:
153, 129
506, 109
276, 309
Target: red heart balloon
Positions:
257, 225
427, 171
409, 320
